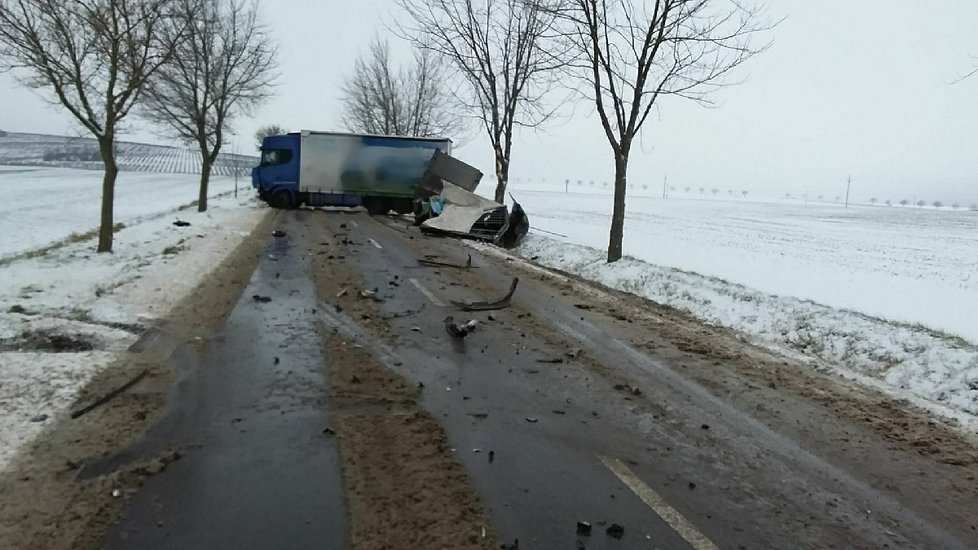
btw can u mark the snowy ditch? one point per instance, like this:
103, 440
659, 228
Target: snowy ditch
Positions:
930, 368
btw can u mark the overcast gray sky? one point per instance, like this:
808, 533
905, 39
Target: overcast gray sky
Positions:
848, 87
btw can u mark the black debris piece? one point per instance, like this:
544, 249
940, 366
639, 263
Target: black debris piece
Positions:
615, 531
555, 360
420, 385
584, 528
39, 418
342, 226
355, 379
532, 420
558, 411
492, 456
705, 426
459, 330
278, 233
691, 485
582, 306
480, 416
489, 305
329, 431
276, 360
261, 299
181, 223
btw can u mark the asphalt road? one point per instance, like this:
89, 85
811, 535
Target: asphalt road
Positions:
675, 465
257, 471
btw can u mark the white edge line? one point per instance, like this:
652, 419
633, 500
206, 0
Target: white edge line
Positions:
427, 293
654, 500
375, 243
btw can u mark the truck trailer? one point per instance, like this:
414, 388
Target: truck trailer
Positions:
380, 173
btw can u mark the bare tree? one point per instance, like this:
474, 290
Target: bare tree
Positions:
873, 200
268, 130
955, 206
744, 193
223, 65
381, 99
937, 204
920, 204
635, 52
904, 202
687, 189
93, 57
714, 191
888, 202
497, 46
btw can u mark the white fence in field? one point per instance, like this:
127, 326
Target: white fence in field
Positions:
21, 149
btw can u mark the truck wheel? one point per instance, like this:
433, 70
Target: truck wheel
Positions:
281, 199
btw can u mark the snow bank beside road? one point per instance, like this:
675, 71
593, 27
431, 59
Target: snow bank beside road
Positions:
100, 301
930, 368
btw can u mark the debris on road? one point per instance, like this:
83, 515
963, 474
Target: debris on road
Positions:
459, 330
705, 426
329, 431
39, 418
574, 353
492, 305
628, 389
584, 528
371, 294
555, 360
415, 329
342, 293
480, 416
181, 223
261, 299
278, 233
532, 420
558, 411
615, 531
111, 395
492, 456
432, 263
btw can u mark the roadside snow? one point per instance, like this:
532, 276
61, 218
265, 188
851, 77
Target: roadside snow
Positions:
101, 299
930, 368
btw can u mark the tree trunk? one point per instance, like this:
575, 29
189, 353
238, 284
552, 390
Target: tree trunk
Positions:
205, 178
108, 193
618, 214
502, 175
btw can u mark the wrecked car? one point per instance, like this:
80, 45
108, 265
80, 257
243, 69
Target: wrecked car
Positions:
447, 205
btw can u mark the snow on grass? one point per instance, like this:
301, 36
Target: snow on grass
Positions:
887, 297
99, 301
46, 205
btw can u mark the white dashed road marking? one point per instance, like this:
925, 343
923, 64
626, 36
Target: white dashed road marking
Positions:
427, 293
659, 505
375, 243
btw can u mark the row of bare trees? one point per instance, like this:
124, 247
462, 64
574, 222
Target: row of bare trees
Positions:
515, 56
189, 65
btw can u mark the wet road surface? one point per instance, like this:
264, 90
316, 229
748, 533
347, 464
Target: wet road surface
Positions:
257, 470
673, 464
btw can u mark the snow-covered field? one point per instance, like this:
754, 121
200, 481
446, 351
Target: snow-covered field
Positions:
100, 299
886, 295
44, 205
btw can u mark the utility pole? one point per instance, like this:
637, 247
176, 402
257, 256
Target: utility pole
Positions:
848, 185
664, 179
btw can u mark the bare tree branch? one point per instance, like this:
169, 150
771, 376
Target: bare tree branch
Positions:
93, 57
502, 50
414, 101
223, 65
631, 53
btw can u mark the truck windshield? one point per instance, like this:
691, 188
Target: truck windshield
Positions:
272, 157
